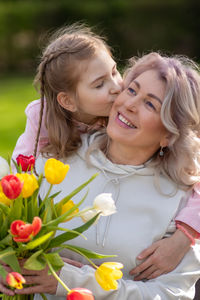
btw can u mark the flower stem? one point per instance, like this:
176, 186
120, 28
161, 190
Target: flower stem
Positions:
55, 275
46, 197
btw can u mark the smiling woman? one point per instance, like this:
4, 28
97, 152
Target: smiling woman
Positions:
135, 124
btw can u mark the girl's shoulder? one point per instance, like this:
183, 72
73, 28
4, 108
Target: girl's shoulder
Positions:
33, 107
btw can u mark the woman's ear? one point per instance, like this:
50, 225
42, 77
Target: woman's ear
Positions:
67, 101
165, 140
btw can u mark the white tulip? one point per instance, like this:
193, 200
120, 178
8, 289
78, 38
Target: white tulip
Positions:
4, 167
105, 204
88, 214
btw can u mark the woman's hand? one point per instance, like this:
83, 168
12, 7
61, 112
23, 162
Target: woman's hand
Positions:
161, 257
40, 280
3, 286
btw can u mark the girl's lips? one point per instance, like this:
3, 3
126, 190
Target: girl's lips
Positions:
124, 122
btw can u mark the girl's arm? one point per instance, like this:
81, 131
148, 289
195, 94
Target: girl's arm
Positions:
163, 256
190, 214
26, 142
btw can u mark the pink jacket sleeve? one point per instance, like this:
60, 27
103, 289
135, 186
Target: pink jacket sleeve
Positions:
26, 142
190, 214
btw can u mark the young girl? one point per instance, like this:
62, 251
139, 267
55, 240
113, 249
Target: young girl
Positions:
78, 83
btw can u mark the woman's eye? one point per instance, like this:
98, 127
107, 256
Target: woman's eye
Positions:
132, 91
100, 85
150, 104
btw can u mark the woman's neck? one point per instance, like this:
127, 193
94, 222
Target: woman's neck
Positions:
122, 155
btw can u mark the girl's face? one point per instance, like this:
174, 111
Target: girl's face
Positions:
135, 120
98, 88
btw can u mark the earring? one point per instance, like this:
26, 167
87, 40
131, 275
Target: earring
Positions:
161, 153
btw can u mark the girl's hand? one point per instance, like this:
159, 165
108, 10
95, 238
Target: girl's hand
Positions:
162, 256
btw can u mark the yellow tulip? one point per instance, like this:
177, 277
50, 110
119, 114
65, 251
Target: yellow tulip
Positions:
3, 199
107, 274
67, 206
55, 171
30, 184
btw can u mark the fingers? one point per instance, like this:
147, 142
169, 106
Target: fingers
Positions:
6, 291
31, 290
48, 286
147, 252
72, 262
145, 274
143, 266
155, 274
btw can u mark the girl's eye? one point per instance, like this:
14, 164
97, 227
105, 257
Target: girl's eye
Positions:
100, 85
150, 104
115, 72
131, 90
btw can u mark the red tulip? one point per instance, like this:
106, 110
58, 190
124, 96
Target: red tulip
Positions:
26, 162
15, 280
23, 232
80, 294
11, 186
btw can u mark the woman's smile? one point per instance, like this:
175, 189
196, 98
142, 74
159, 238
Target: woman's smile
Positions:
124, 122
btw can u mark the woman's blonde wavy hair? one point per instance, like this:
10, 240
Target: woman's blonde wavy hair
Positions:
60, 69
180, 114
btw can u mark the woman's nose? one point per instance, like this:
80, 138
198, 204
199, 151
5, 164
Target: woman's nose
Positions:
131, 105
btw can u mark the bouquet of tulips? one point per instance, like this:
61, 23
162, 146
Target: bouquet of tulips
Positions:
29, 225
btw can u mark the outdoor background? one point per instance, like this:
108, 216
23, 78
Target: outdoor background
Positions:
131, 26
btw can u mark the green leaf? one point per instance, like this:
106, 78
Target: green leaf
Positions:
8, 256
3, 272
33, 244
63, 217
55, 260
5, 227
62, 238
35, 262
6, 240
18, 168
85, 252
5, 209
16, 210
76, 191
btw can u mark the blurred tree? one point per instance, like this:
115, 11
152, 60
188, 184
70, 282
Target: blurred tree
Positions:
131, 26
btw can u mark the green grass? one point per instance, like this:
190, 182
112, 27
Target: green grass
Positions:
15, 93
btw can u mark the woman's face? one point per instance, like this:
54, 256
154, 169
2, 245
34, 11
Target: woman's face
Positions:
98, 87
135, 120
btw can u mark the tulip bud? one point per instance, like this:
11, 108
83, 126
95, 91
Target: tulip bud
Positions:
23, 232
15, 280
55, 171
80, 294
107, 274
11, 186
30, 184
105, 204
26, 162
3, 199
66, 207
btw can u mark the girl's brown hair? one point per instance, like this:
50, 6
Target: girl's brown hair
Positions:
60, 70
